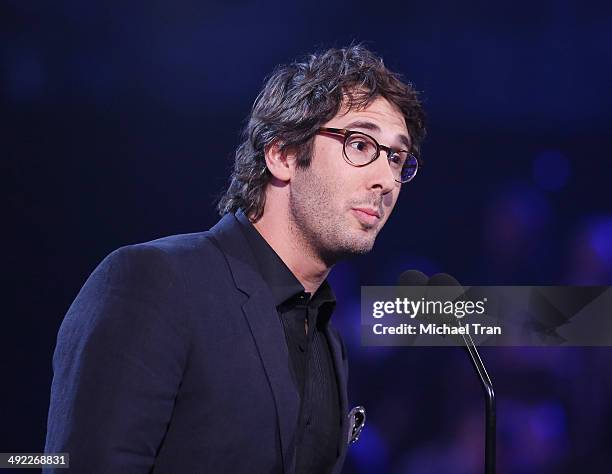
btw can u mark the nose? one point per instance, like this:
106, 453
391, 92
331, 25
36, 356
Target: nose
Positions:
381, 176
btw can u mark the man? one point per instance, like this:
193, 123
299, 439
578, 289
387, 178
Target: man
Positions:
213, 352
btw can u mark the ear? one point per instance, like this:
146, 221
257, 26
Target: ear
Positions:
281, 162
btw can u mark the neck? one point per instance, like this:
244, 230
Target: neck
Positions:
292, 247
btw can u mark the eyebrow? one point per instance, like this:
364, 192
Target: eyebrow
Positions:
375, 128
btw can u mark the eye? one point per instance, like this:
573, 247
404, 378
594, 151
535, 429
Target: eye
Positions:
359, 144
397, 158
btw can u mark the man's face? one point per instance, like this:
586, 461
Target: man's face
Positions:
340, 208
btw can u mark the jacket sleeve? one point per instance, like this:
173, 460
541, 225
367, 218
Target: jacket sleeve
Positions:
119, 359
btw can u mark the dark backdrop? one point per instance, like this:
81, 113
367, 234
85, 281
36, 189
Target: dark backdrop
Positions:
119, 124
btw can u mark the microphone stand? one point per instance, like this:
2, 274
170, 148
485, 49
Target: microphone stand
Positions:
489, 394
417, 278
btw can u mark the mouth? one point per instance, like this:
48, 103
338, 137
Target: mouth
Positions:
366, 215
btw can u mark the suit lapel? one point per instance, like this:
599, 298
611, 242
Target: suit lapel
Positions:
267, 330
270, 340
340, 366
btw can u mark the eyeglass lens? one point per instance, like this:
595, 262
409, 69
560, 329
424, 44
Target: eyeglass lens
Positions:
361, 150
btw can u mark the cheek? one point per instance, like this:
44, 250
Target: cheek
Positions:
330, 169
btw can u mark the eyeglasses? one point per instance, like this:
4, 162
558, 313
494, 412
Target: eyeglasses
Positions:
360, 149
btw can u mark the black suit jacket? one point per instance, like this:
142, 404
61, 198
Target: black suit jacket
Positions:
172, 360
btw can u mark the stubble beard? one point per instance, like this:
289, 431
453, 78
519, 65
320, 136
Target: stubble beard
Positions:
320, 229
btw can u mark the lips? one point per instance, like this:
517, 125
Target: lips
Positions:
368, 217
368, 211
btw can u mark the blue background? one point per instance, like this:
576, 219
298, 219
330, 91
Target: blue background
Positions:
119, 124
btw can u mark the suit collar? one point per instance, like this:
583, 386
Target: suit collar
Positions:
228, 234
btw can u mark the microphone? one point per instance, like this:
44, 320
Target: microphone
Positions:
412, 278
417, 278
443, 279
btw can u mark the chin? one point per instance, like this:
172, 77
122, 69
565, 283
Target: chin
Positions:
350, 246
360, 245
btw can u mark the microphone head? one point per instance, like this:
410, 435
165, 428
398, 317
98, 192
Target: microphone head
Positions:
412, 278
443, 279
450, 294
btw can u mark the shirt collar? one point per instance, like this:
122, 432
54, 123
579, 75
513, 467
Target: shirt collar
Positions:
285, 287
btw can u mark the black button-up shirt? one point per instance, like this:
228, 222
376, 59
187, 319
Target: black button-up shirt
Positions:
310, 357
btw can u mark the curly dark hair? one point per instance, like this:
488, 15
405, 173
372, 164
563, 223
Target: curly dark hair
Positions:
300, 97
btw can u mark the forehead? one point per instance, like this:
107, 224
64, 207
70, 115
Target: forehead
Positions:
382, 116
